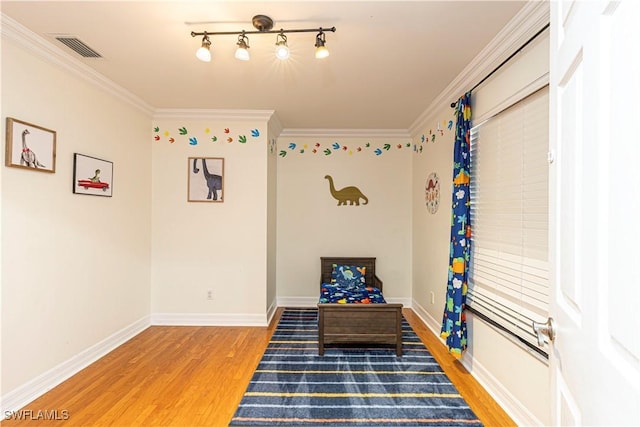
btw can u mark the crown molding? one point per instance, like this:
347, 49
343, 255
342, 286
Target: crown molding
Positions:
528, 21
212, 114
30, 41
275, 125
345, 133
532, 17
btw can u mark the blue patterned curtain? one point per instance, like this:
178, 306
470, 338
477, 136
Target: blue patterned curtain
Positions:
454, 327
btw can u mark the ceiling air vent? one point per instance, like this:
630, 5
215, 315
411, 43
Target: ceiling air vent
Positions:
79, 47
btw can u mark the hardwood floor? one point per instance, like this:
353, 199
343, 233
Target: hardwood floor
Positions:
196, 376
489, 412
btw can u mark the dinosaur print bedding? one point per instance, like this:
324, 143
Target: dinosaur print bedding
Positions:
337, 293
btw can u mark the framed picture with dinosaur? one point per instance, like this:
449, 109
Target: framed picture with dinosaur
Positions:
92, 176
206, 179
30, 146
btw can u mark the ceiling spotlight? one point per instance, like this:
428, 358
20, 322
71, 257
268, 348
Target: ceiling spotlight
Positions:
263, 25
242, 52
204, 52
321, 50
282, 50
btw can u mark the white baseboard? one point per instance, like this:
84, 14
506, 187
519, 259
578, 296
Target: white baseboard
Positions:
208, 319
297, 301
271, 311
431, 323
406, 302
18, 398
516, 410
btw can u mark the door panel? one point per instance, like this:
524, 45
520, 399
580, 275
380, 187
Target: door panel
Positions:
622, 336
570, 129
594, 205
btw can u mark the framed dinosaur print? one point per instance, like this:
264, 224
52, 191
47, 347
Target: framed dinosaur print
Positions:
30, 146
92, 176
206, 179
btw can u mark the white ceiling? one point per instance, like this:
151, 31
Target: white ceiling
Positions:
388, 61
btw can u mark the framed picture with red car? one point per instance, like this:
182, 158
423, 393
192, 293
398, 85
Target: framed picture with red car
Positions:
92, 176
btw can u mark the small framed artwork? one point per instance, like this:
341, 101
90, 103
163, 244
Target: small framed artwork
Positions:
432, 192
92, 176
30, 146
206, 179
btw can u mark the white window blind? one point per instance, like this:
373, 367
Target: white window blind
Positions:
509, 276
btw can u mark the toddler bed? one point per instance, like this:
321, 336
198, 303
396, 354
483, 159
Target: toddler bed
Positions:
352, 308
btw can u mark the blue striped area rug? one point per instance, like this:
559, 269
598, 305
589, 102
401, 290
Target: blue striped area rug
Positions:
348, 386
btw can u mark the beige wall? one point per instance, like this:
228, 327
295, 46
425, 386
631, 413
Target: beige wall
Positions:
217, 247
75, 268
430, 232
311, 224
85, 283
518, 380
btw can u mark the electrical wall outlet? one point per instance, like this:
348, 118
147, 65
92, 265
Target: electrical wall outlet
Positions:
209, 294
433, 297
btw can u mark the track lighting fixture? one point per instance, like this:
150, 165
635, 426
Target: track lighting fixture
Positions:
321, 49
242, 52
203, 53
263, 25
282, 50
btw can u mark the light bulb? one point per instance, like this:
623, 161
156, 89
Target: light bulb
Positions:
282, 51
242, 54
203, 54
322, 52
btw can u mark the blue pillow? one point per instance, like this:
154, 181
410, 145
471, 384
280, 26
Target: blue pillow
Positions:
348, 276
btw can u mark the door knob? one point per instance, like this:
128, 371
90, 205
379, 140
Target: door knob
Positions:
546, 329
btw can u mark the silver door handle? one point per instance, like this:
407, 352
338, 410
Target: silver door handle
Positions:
542, 330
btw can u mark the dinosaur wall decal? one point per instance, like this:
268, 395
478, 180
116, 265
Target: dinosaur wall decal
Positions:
214, 182
349, 194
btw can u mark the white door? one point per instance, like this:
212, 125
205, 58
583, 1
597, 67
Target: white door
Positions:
595, 212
